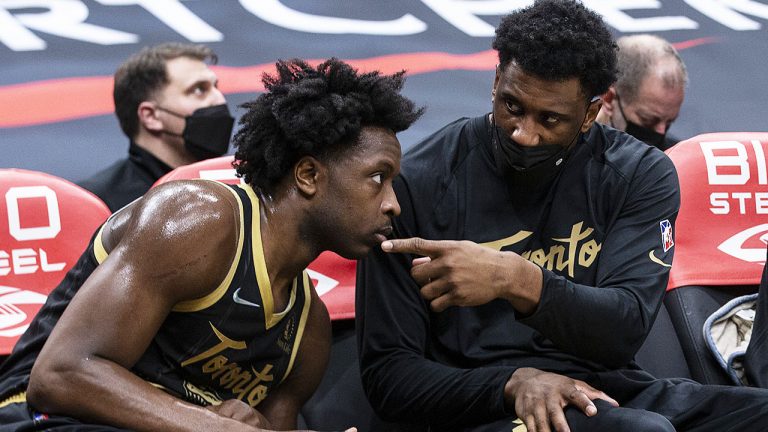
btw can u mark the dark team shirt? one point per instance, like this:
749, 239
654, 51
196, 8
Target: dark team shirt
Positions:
127, 179
230, 344
601, 230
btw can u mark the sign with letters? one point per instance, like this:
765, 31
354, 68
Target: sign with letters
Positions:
45, 224
722, 230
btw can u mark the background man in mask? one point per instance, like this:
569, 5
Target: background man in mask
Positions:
530, 259
168, 105
649, 90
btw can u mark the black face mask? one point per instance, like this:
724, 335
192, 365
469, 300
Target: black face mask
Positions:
206, 131
644, 134
529, 166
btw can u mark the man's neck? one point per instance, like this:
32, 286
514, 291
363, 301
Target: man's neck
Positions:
165, 152
286, 252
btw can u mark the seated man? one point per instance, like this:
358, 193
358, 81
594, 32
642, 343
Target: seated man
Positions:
170, 108
646, 98
542, 246
190, 309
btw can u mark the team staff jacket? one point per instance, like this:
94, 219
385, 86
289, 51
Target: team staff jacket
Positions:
230, 344
601, 231
127, 179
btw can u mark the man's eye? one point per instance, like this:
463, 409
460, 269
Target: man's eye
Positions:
377, 178
513, 108
551, 120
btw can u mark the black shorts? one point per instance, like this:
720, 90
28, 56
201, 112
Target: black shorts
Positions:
20, 417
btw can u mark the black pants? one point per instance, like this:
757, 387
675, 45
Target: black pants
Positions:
660, 405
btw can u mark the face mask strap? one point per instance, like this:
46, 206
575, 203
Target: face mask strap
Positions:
173, 113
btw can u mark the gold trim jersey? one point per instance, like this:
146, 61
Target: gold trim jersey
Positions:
229, 344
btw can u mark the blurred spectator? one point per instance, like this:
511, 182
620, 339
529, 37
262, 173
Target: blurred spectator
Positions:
169, 106
646, 98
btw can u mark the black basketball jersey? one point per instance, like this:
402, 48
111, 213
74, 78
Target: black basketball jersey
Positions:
230, 344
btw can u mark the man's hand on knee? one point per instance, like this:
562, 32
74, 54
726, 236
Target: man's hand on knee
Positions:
540, 397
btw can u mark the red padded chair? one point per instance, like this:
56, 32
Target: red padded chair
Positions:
333, 276
721, 237
45, 224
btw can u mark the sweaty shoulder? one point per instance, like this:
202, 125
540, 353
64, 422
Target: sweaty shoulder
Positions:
188, 227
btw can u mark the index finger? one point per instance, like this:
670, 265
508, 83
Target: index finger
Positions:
414, 245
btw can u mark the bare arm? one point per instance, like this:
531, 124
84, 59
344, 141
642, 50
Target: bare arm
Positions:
173, 245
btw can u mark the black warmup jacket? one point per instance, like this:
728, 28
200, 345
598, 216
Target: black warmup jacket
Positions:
127, 179
601, 231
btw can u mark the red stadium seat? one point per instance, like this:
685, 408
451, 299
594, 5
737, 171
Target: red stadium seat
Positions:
722, 228
45, 224
721, 237
333, 276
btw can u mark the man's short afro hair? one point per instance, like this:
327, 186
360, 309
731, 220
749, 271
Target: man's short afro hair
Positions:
317, 112
558, 40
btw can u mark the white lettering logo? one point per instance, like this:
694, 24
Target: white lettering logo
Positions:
323, 283
22, 21
13, 320
728, 164
12, 198
734, 246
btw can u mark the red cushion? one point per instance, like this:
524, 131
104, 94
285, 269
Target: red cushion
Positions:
219, 168
333, 276
45, 225
722, 228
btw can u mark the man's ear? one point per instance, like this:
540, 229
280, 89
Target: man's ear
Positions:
609, 101
592, 111
147, 114
307, 174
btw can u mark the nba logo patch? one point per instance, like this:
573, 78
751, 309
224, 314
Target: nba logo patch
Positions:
666, 234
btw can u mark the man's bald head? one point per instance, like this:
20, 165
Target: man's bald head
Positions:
644, 56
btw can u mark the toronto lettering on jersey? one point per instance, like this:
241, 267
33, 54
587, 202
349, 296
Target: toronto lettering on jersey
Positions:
246, 385
576, 249
22, 21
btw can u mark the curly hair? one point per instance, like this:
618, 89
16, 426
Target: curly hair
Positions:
557, 40
316, 112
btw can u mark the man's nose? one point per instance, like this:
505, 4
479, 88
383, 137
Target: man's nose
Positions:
217, 97
524, 132
390, 206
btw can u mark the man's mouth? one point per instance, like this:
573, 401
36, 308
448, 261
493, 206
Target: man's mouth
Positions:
383, 233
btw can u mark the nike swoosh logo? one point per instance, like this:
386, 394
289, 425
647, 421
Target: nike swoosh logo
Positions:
653, 258
238, 300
